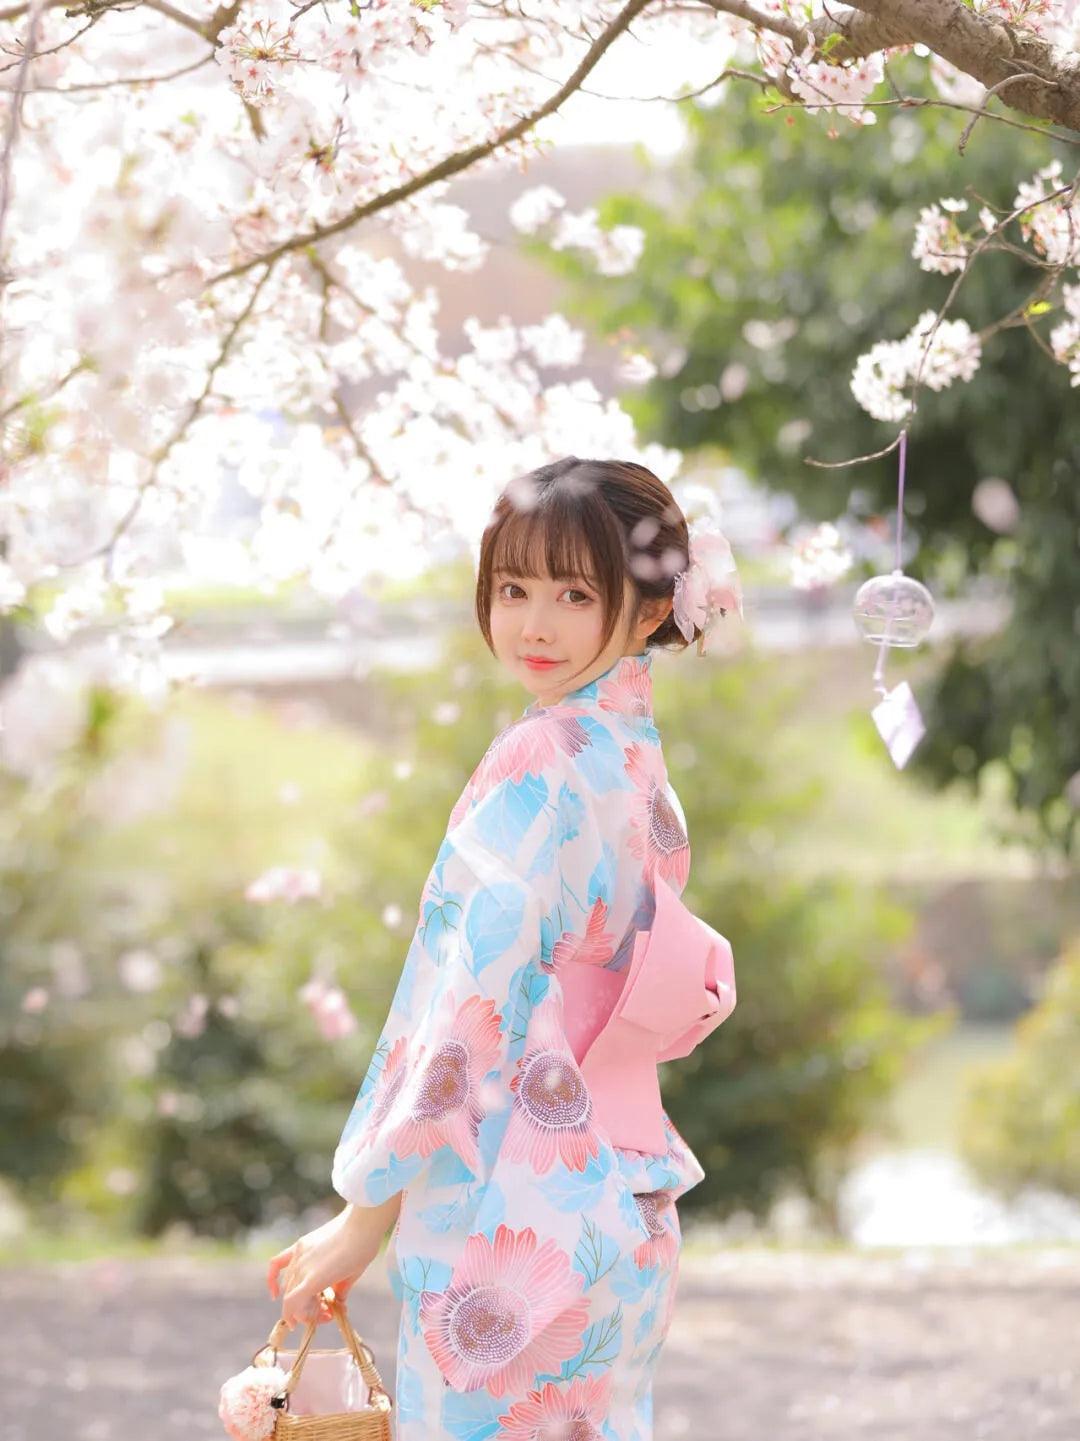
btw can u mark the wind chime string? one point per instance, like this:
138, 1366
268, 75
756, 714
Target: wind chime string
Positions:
879, 668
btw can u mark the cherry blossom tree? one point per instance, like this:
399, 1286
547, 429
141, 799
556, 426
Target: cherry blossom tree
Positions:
193, 200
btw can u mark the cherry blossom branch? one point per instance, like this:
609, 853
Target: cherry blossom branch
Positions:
927, 102
196, 407
29, 55
1019, 315
452, 164
13, 122
53, 390
732, 72
16, 12
988, 50
178, 17
121, 80
108, 547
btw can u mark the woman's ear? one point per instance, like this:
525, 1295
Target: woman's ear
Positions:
651, 616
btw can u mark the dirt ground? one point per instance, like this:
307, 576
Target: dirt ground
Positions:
765, 1346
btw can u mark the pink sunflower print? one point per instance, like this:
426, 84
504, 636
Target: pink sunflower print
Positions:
663, 1243
595, 948
461, 806
444, 1104
388, 1087
628, 689
559, 1413
551, 1117
528, 747
658, 837
512, 1308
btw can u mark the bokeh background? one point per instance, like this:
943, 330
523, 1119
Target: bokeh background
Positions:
204, 903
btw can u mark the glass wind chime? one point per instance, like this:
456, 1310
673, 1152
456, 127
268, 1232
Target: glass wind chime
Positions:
895, 610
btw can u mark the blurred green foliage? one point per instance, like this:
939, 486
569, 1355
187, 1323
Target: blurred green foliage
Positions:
777, 252
1021, 1123
204, 1094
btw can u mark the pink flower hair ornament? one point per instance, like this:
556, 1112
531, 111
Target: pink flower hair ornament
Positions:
709, 586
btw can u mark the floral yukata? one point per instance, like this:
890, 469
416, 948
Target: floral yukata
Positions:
535, 1261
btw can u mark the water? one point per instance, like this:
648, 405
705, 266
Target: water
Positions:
929, 1198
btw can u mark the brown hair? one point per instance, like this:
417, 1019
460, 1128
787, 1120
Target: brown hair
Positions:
605, 520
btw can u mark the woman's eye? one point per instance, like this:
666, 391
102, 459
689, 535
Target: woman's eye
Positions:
507, 587
577, 597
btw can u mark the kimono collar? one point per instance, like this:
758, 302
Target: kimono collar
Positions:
625, 686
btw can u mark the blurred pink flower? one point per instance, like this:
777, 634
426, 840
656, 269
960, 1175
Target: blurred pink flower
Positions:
284, 883
191, 1022
330, 1008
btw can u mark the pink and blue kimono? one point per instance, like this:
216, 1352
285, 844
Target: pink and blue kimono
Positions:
535, 1259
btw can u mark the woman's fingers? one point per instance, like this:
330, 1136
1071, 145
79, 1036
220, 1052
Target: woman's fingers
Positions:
276, 1266
301, 1304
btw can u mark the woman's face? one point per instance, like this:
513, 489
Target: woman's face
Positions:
546, 632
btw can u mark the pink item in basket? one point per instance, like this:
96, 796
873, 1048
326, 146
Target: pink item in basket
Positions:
245, 1403
329, 1384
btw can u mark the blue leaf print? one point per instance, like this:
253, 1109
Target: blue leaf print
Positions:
529, 986
641, 920
599, 1349
504, 818
570, 1191
472, 1415
551, 928
409, 1394
543, 862
419, 1274
440, 1219
492, 1211
387, 1181
489, 1137
602, 880
493, 922
603, 762
595, 1254
646, 1321
571, 812
630, 1213
440, 920
448, 1169
630, 1284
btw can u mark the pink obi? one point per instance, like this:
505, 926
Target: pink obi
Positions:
678, 986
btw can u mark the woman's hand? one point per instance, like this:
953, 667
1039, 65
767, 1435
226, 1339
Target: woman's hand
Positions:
334, 1254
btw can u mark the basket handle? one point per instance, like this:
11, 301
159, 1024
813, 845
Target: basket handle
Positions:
361, 1351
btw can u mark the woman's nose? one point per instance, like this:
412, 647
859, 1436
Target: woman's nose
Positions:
536, 624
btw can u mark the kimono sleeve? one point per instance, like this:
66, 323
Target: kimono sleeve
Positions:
437, 1092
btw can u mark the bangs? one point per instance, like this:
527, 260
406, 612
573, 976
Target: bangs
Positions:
555, 522
549, 540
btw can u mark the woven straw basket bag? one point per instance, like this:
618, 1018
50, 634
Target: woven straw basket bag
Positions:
328, 1395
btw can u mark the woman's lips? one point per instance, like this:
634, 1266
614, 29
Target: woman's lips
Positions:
536, 663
